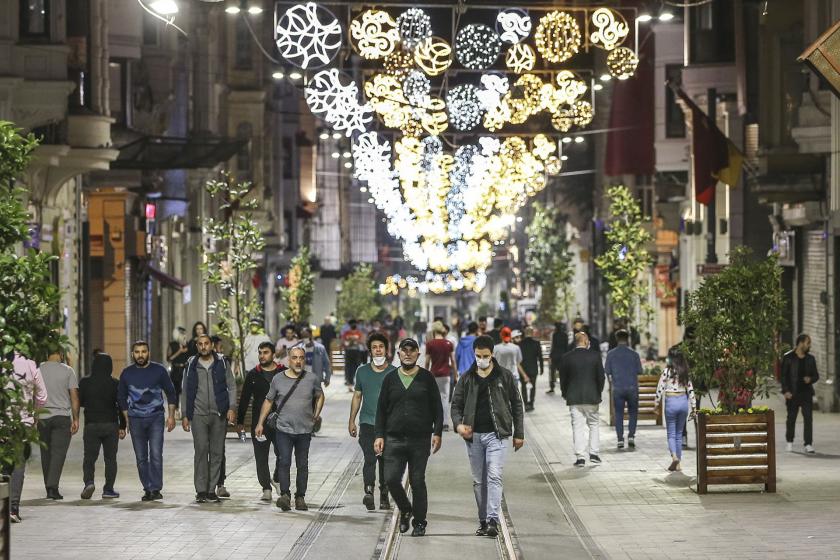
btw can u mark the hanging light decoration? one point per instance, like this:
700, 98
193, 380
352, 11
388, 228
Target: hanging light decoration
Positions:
477, 46
610, 29
622, 63
308, 36
398, 63
374, 34
543, 146
416, 87
520, 58
569, 87
433, 56
335, 97
463, 106
558, 36
434, 120
414, 26
513, 25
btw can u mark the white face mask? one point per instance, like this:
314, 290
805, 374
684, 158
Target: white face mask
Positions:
483, 363
379, 361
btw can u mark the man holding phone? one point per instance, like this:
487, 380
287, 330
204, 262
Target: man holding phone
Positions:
486, 410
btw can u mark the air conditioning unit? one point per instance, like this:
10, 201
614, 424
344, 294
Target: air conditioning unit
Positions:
802, 214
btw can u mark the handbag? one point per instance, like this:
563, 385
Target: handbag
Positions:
271, 419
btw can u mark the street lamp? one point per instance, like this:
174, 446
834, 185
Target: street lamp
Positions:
164, 7
666, 16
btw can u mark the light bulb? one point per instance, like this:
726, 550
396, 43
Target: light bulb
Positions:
644, 18
348, 164
296, 75
666, 16
346, 155
336, 136
363, 189
278, 75
370, 201
232, 10
578, 139
255, 10
566, 140
597, 87
324, 136
164, 7
564, 158
336, 155
605, 77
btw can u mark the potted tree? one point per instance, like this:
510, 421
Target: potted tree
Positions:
359, 296
736, 316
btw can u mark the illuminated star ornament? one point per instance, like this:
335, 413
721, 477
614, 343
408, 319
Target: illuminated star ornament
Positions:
308, 36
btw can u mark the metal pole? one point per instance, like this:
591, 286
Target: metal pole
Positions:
711, 229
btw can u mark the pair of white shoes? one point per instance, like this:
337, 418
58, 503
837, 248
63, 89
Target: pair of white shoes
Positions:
808, 448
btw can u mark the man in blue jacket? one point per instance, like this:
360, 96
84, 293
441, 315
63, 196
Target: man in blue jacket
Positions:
317, 358
209, 398
464, 356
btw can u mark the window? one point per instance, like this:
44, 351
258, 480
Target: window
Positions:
34, 19
243, 45
712, 33
119, 91
243, 159
674, 117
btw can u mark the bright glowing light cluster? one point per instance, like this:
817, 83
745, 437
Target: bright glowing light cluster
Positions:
434, 283
414, 26
477, 46
610, 29
520, 58
558, 36
308, 36
334, 97
464, 107
622, 63
374, 34
513, 25
433, 56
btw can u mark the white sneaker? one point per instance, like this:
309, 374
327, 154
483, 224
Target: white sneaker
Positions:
789, 447
266, 496
809, 449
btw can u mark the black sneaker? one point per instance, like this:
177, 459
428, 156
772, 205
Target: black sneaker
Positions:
201, 497
482, 529
405, 521
580, 463
213, 497
384, 502
284, 502
492, 528
620, 444
594, 459
147, 496
419, 529
300, 503
549, 392
156, 495
87, 492
631, 442
368, 501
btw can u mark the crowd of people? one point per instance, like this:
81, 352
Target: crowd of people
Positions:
477, 380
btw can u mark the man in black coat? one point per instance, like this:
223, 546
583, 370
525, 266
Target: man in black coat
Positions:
581, 383
799, 373
559, 346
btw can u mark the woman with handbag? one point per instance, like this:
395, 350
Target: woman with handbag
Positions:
676, 389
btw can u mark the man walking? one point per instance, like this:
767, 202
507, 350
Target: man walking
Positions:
581, 383
464, 356
354, 353
509, 355
408, 412
317, 358
284, 344
250, 349
440, 360
255, 388
623, 368
486, 410
209, 397
532, 363
140, 394
366, 398
559, 346
104, 425
294, 391
799, 373
60, 422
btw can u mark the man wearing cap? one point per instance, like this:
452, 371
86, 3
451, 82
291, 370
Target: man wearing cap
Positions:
509, 355
408, 413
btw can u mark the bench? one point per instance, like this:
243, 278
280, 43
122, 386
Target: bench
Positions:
647, 397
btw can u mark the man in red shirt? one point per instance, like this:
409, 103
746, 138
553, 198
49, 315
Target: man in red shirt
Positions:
440, 360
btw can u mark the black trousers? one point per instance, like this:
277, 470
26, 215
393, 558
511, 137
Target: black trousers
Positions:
366, 438
554, 374
411, 451
528, 394
54, 432
261, 449
104, 435
353, 358
806, 403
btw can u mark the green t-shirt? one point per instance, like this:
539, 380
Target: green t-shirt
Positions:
406, 379
369, 382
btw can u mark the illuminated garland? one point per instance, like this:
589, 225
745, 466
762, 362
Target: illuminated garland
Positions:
558, 36
477, 46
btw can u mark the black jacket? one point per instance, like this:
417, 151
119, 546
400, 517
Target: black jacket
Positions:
582, 377
98, 393
559, 345
255, 387
505, 402
532, 360
415, 411
792, 377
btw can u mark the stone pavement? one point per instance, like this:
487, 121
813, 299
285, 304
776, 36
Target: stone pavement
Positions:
628, 507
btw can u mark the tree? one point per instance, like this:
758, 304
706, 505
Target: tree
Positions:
230, 267
549, 262
30, 321
626, 262
298, 292
358, 298
736, 316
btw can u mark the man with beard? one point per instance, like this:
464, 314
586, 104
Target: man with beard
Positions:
317, 359
255, 388
408, 413
140, 395
799, 373
294, 392
209, 397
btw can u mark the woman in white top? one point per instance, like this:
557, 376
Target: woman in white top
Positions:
675, 387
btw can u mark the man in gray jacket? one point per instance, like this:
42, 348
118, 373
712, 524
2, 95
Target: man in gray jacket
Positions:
582, 382
486, 410
208, 399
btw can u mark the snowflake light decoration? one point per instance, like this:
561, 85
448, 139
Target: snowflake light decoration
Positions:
622, 63
477, 46
374, 34
334, 97
433, 56
513, 25
464, 107
558, 36
308, 36
520, 58
414, 26
610, 31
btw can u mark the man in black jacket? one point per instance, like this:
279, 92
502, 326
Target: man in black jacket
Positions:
799, 373
559, 346
254, 389
103, 424
409, 411
532, 363
581, 383
486, 410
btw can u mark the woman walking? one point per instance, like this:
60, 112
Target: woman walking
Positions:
675, 387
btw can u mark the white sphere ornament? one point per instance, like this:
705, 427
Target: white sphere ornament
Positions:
477, 46
414, 26
374, 34
558, 36
464, 107
308, 36
513, 25
416, 87
622, 63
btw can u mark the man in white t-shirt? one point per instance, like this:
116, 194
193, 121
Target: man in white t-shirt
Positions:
251, 347
60, 422
509, 356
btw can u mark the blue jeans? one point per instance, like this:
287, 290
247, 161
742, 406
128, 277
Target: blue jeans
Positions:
676, 413
285, 443
147, 439
630, 396
487, 458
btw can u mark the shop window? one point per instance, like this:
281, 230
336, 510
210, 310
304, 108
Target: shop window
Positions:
35, 19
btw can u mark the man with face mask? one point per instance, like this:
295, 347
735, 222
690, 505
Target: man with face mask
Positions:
293, 391
366, 397
486, 410
408, 413
140, 395
250, 349
255, 388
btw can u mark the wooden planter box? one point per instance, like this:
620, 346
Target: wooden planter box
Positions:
736, 449
5, 524
647, 396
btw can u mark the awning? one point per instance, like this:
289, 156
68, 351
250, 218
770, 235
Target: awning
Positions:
165, 279
169, 152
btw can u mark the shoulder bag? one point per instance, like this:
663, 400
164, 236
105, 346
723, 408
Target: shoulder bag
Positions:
271, 419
